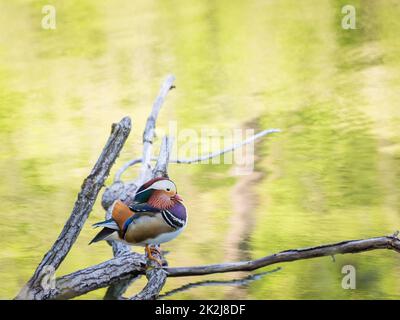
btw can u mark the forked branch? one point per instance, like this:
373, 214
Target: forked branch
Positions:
115, 291
133, 264
83, 206
201, 158
344, 247
118, 272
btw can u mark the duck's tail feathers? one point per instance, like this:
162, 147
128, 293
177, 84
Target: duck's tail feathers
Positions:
109, 227
102, 235
110, 224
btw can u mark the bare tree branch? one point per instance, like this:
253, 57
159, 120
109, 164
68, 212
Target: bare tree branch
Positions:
149, 131
228, 149
83, 206
133, 264
117, 290
110, 272
157, 276
126, 165
128, 191
204, 157
161, 167
351, 246
156, 280
126, 266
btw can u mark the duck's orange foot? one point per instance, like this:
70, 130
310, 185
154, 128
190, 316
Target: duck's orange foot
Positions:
153, 250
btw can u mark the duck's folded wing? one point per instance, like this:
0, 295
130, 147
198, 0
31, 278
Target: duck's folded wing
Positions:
143, 207
145, 222
124, 215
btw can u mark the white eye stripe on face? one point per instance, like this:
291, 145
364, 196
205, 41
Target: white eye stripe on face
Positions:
167, 185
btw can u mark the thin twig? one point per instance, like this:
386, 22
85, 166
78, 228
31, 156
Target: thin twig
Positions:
149, 131
201, 158
126, 165
160, 169
228, 149
351, 246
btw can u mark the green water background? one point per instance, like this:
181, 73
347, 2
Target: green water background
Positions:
332, 174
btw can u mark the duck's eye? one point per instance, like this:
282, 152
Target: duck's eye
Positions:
168, 189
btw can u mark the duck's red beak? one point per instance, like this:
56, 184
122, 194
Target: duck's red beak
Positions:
177, 197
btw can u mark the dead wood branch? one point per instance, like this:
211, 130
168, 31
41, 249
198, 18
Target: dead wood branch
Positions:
83, 206
351, 246
134, 264
127, 191
114, 271
149, 132
157, 276
204, 157
126, 266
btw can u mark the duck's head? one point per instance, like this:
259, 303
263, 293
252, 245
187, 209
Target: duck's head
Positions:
160, 193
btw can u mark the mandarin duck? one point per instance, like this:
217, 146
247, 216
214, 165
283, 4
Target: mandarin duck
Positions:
157, 215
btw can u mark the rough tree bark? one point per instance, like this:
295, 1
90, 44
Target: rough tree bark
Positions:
126, 266
132, 264
83, 206
128, 191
